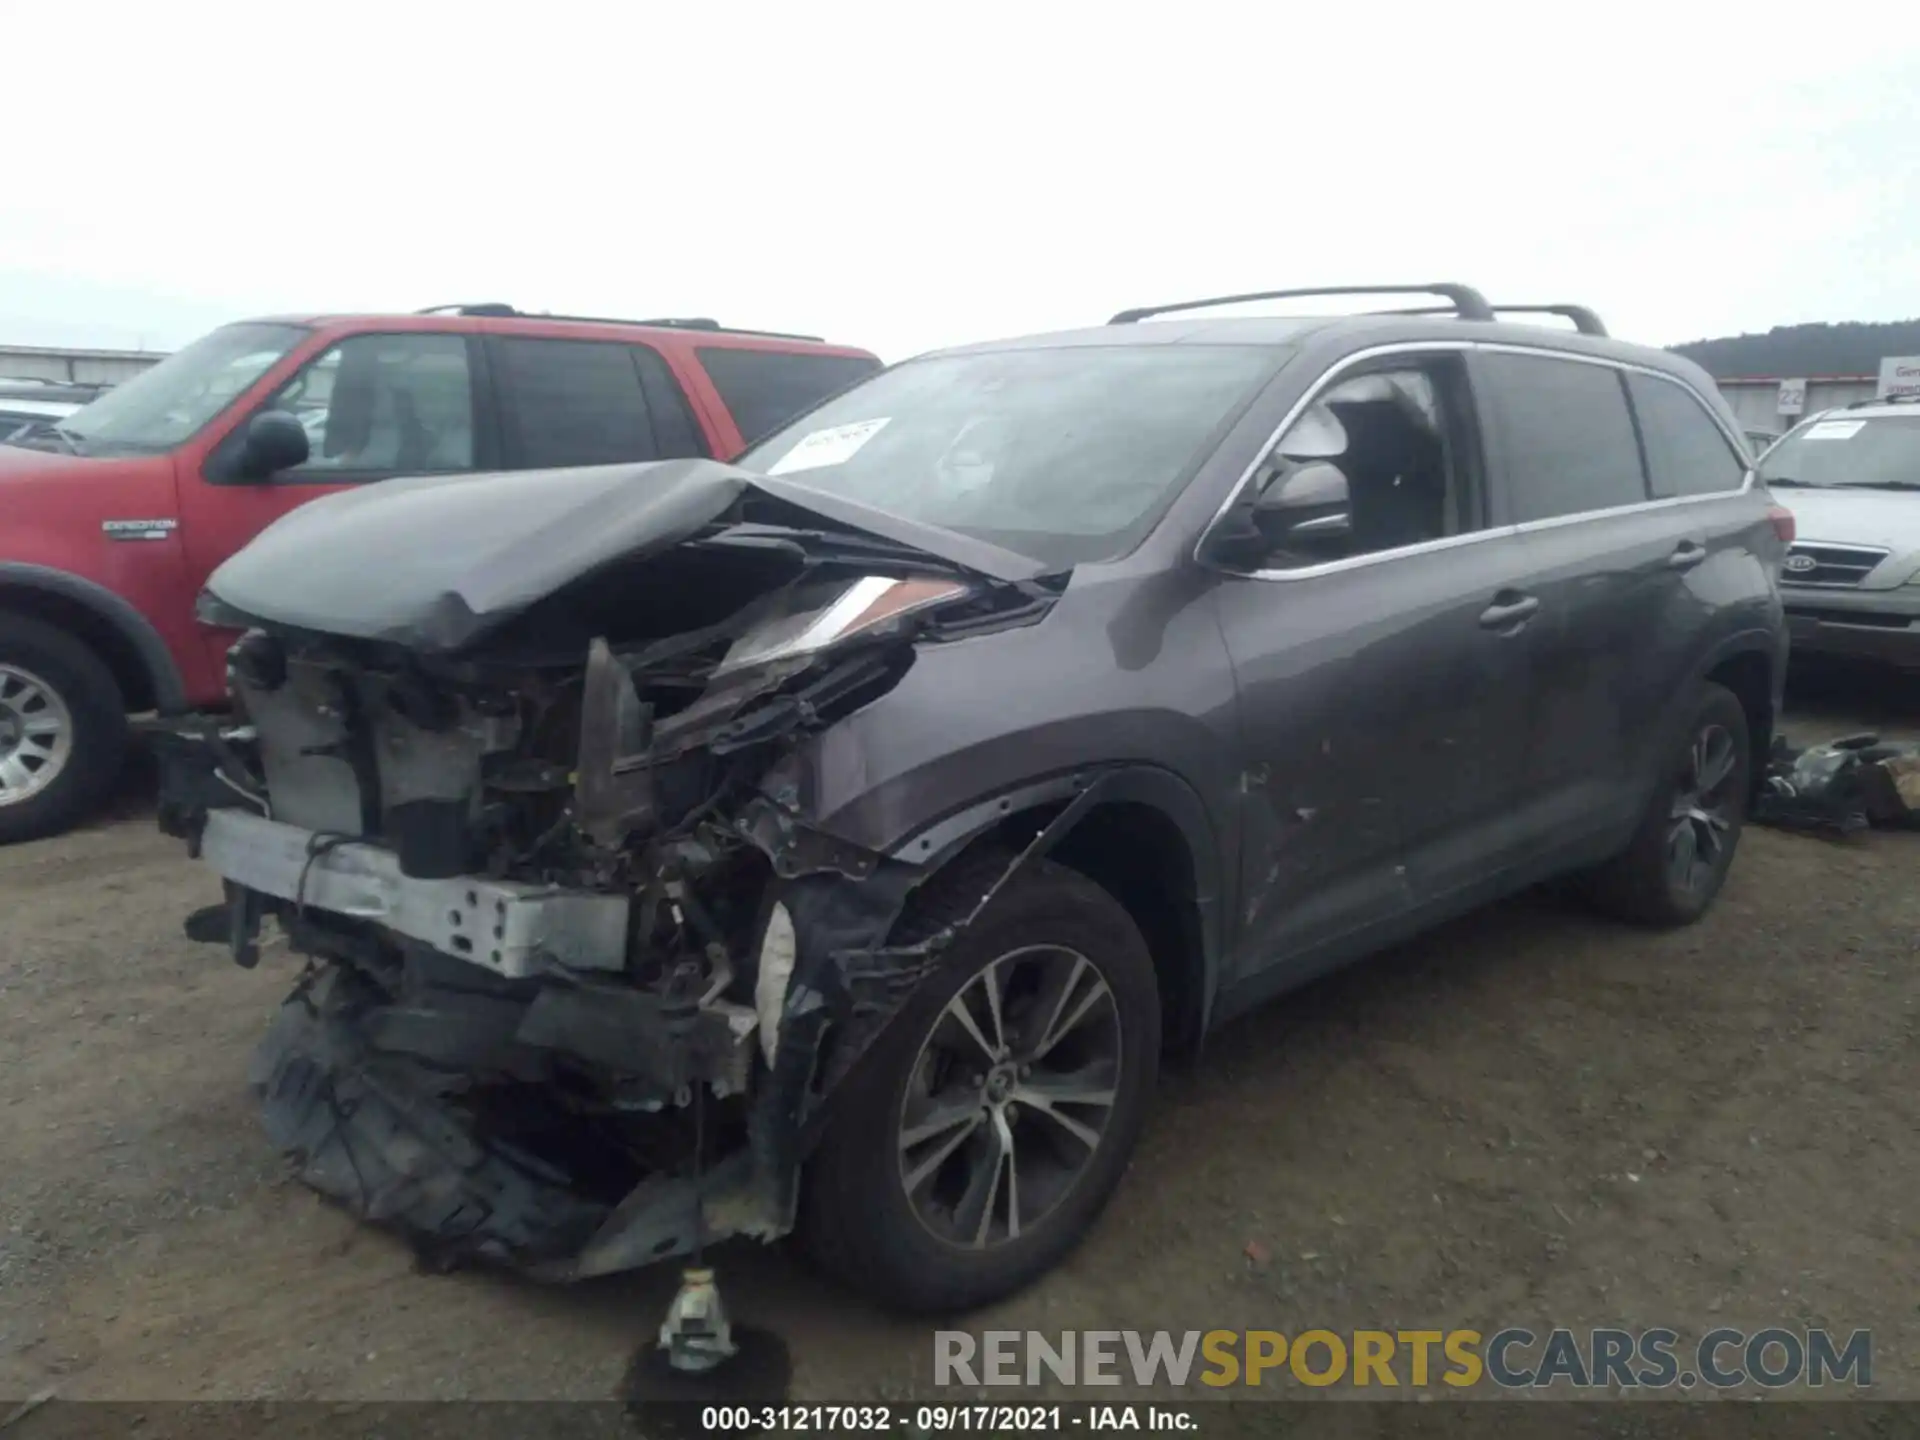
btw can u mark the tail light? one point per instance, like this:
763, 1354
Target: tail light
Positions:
1783, 525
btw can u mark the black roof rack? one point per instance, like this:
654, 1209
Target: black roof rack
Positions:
1466, 301
494, 309
1883, 400
1584, 320
491, 307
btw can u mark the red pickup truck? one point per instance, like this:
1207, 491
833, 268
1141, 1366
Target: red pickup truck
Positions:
112, 518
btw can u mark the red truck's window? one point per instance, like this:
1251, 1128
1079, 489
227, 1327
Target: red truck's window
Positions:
385, 404
579, 402
766, 388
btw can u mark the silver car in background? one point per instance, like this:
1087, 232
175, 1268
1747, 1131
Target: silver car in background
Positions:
1851, 580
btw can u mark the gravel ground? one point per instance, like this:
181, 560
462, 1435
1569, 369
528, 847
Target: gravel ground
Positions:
1531, 1117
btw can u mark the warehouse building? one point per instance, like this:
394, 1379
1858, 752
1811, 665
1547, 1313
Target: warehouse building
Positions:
1775, 403
81, 367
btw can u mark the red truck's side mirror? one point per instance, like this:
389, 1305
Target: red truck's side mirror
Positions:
275, 441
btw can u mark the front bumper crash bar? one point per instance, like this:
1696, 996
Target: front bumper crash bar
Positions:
512, 929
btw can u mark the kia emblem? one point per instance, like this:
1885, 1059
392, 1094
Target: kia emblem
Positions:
1800, 564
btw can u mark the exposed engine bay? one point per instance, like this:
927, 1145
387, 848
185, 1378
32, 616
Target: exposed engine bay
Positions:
582, 975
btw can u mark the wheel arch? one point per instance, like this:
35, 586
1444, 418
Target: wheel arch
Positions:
1748, 665
123, 638
1143, 835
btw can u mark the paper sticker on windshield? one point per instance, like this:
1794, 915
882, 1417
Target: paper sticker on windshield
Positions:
1832, 429
834, 446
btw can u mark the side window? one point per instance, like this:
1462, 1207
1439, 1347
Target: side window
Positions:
674, 431
572, 402
1378, 462
764, 389
1568, 438
398, 404
1687, 453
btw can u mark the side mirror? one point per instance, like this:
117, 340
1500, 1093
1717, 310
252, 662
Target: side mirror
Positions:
1305, 506
275, 441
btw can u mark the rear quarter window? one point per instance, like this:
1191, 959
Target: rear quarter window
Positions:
764, 389
1566, 435
1687, 452
573, 402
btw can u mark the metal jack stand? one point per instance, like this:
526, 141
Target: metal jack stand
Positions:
699, 1359
695, 1334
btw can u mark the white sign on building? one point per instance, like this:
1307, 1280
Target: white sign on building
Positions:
1793, 397
1899, 375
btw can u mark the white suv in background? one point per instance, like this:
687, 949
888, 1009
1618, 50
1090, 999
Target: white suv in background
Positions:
1851, 581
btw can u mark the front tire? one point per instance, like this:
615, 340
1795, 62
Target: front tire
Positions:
994, 1116
1679, 857
63, 729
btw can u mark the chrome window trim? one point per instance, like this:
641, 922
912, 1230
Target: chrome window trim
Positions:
1449, 542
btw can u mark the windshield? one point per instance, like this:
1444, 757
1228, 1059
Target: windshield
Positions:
161, 407
1066, 455
1840, 453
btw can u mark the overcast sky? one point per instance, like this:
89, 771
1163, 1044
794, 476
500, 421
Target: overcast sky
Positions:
915, 173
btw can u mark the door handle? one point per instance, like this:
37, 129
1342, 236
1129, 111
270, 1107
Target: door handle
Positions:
1686, 555
1505, 614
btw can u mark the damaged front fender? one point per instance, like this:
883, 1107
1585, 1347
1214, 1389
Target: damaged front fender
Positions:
847, 981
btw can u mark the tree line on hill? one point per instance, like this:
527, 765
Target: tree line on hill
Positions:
1849, 348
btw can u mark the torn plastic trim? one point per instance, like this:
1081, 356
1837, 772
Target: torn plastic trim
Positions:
201, 770
844, 971
663, 1217
367, 1094
1151, 787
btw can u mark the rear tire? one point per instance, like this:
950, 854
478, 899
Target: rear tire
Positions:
63, 729
1678, 859
1056, 945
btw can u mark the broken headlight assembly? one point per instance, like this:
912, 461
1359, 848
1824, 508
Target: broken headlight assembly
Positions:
864, 605
620, 743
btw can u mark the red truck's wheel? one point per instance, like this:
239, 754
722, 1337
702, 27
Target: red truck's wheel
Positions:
63, 729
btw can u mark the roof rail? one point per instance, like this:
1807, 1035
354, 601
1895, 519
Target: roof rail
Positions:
497, 311
491, 307
1584, 320
1883, 400
1467, 302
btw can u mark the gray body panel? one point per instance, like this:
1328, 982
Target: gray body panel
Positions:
1369, 758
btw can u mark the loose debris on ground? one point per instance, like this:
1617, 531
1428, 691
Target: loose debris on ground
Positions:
1841, 787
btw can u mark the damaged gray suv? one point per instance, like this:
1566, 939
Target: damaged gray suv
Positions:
835, 841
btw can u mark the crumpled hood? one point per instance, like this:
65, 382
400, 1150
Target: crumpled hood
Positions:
1886, 518
435, 562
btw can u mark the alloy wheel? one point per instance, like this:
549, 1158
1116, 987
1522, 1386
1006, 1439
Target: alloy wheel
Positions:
1701, 820
1010, 1096
36, 735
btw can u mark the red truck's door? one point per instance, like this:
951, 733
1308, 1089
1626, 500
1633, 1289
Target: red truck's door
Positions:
376, 404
